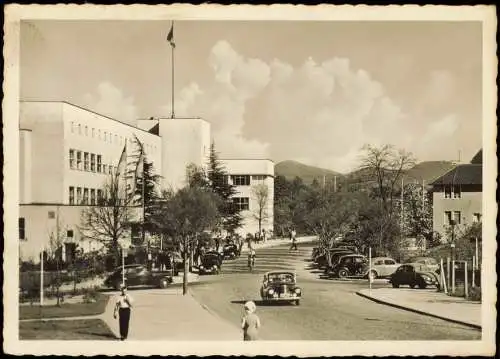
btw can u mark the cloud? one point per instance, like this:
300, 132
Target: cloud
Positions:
110, 101
318, 113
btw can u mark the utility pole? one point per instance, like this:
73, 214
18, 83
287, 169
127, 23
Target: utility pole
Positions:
335, 183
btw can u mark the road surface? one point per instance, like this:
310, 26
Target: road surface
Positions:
329, 310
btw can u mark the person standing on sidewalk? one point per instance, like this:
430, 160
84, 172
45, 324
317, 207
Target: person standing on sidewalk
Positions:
250, 322
293, 236
123, 307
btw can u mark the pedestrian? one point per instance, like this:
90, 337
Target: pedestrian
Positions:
250, 322
264, 235
293, 236
123, 307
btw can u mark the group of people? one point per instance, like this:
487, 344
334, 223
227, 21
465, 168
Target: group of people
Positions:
250, 322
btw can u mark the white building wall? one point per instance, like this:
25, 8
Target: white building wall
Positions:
25, 166
184, 141
261, 172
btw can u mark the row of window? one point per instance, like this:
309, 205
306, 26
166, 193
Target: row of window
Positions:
452, 191
84, 195
90, 162
22, 227
244, 180
242, 203
105, 136
456, 216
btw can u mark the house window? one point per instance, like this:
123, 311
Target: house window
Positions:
99, 196
99, 163
72, 127
69, 233
22, 228
104, 168
99, 134
476, 217
241, 180
457, 192
447, 218
116, 139
79, 129
242, 203
86, 161
457, 217
72, 195
78, 195
225, 179
71, 159
92, 162
78, 160
105, 136
92, 197
52, 214
85, 196
447, 191
86, 130
93, 132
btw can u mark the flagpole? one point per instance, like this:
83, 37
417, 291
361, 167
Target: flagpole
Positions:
173, 74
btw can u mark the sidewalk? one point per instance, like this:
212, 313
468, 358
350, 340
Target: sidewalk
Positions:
428, 302
168, 315
276, 242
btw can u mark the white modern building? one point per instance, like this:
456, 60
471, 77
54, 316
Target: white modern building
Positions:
67, 153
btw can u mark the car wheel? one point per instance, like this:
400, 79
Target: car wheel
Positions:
343, 273
412, 285
164, 283
372, 275
395, 285
297, 302
422, 285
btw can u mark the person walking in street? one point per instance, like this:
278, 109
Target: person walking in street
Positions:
293, 236
123, 307
250, 322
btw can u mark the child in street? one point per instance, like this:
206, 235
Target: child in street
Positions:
250, 322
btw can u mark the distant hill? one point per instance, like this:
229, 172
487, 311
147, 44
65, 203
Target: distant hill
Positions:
427, 170
291, 169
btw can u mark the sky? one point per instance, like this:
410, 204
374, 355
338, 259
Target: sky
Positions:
310, 91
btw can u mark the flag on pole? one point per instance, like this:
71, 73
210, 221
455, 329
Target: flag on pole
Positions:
170, 36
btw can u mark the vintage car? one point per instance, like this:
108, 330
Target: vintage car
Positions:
230, 251
322, 261
280, 286
349, 265
382, 267
424, 263
138, 275
409, 274
211, 263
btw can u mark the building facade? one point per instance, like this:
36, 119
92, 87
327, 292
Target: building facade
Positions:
67, 154
457, 197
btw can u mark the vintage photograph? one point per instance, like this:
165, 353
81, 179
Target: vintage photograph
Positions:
188, 177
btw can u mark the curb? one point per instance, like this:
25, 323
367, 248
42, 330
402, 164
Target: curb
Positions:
214, 314
471, 325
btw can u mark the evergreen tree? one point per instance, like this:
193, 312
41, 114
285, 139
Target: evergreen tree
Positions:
219, 184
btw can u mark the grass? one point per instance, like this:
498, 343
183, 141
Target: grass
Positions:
83, 329
65, 310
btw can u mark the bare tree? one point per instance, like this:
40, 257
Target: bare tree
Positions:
109, 221
261, 196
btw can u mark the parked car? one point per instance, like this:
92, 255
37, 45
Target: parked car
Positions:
334, 257
138, 274
280, 286
211, 263
409, 274
316, 251
322, 261
424, 263
230, 251
350, 265
382, 267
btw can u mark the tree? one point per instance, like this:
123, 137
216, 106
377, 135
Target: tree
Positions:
109, 221
261, 196
218, 183
54, 257
184, 215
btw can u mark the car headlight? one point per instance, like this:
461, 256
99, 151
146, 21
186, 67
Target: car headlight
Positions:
427, 279
271, 291
297, 290
201, 267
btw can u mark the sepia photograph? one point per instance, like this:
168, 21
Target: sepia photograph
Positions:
184, 179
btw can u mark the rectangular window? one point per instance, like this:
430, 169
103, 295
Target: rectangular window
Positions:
105, 136
79, 129
447, 191
52, 214
476, 217
72, 159
457, 192
99, 196
92, 162
69, 233
225, 179
116, 139
104, 168
99, 135
85, 196
78, 160
78, 195
86, 161
93, 132
99, 163
457, 217
241, 180
86, 130
22, 228
72, 127
258, 178
72, 195
242, 203
447, 218
92, 197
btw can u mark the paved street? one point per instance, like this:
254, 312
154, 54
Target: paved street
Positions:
330, 309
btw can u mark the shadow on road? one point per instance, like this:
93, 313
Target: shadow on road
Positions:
261, 303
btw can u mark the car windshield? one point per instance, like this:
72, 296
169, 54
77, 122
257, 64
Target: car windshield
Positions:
281, 277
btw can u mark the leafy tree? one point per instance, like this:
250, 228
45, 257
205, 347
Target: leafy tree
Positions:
184, 216
109, 221
218, 183
261, 196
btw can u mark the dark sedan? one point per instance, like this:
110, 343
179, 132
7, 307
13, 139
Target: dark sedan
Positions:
211, 263
137, 275
409, 274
